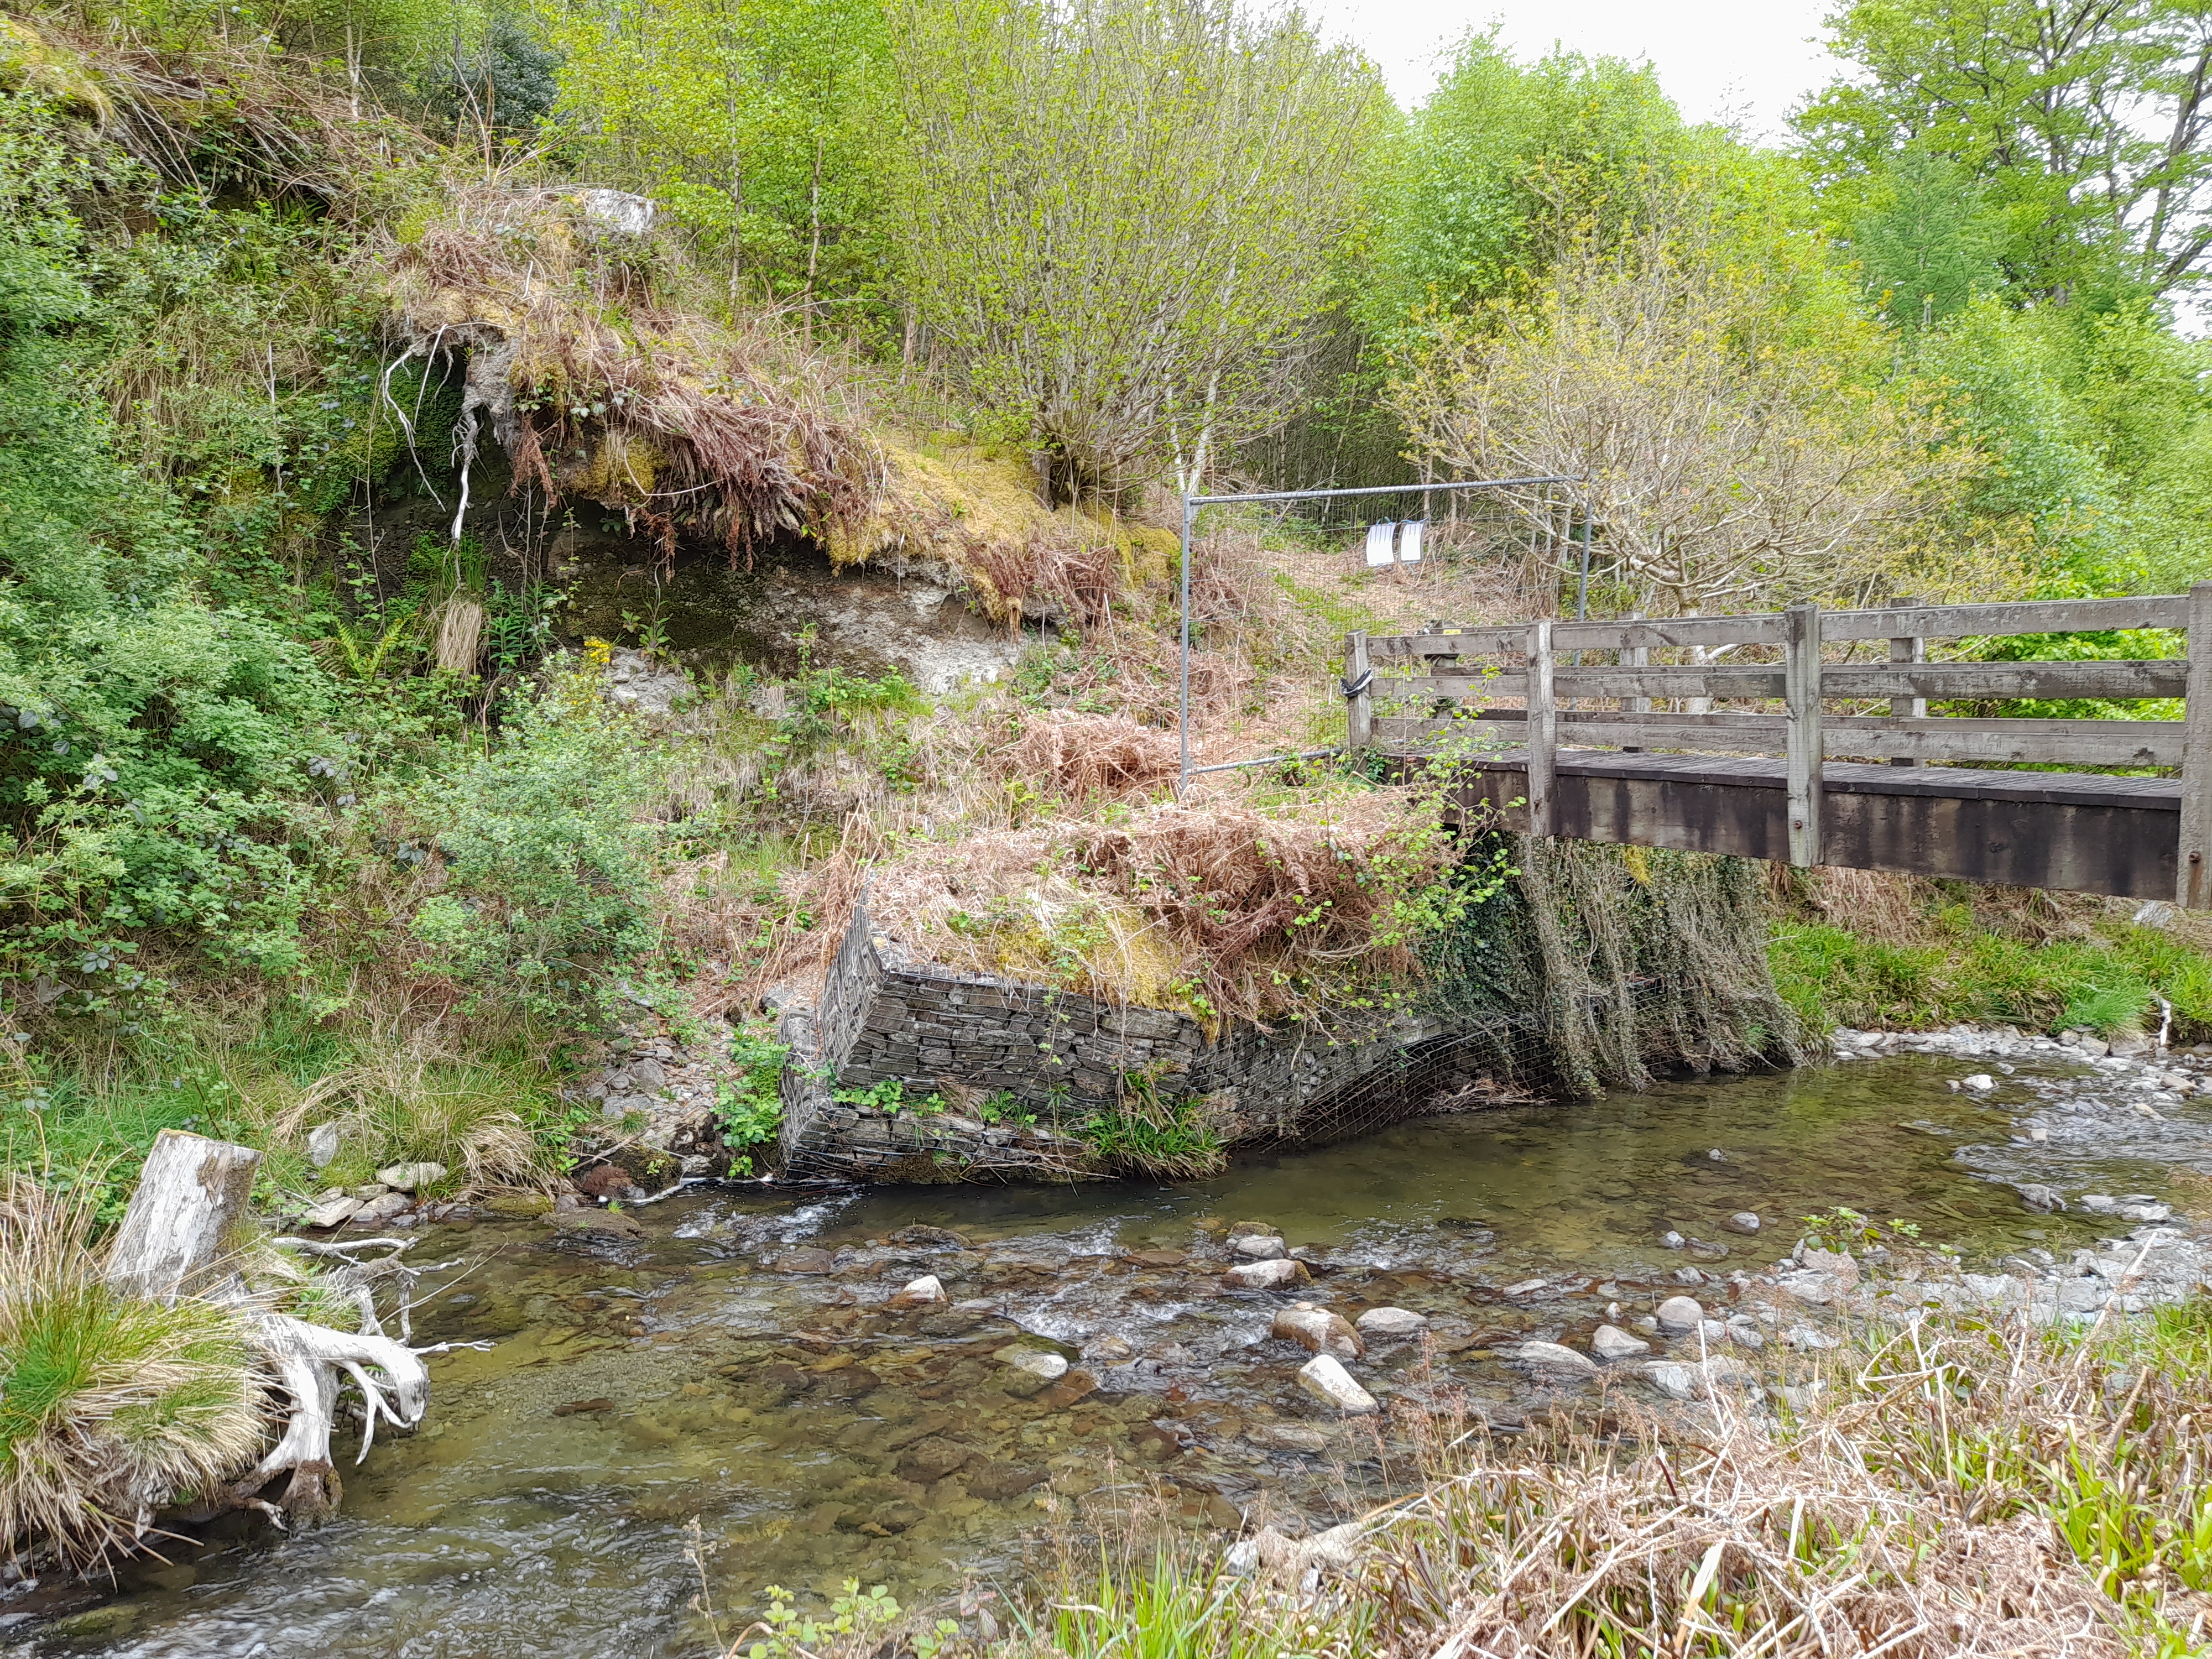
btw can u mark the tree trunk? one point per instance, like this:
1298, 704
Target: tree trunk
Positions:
185, 1218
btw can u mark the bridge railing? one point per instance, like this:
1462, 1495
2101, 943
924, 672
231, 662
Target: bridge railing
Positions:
1536, 686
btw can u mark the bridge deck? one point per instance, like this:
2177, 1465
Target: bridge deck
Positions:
2058, 829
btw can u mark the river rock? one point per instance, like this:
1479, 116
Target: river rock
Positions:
1327, 1380
1681, 1381
322, 1144
331, 1213
1265, 1275
1555, 1357
929, 1461
1317, 1330
406, 1177
1979, 1083
1002, 1480
1671, 1240
1108, 1349
1679, 1315
377, 1211
1259, 1247
1159, 1258
1070, 1388
1610, 1343
934, 1238
611, 1224
1391, 1322
1287, 1436
920, 1293
2039, 1198
1038, 1362
1743, 1221
1838, 1264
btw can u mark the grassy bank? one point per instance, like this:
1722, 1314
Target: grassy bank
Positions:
1956, 1488
1859, 948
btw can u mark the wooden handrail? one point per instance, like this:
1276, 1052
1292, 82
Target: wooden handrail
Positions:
1439, 672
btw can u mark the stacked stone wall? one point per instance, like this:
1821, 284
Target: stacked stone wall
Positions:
1055, 1057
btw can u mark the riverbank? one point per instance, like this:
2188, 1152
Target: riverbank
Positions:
734, 1355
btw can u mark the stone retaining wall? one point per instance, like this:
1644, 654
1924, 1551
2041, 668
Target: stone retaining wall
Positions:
887, 1014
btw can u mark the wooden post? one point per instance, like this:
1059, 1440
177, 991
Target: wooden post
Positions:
179, 1227
1909, 648
1358, 694
1543, 730
1802, 697
2192, 868
1636, 656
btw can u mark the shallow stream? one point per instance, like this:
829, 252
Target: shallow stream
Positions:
736, 1364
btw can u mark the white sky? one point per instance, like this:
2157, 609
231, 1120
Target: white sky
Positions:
1718, 60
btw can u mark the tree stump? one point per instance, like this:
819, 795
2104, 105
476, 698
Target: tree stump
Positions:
185, 1233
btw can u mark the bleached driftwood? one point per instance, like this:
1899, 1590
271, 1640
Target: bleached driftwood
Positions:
182, 1235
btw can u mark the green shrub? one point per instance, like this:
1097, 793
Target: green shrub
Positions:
752, 1111
542, 856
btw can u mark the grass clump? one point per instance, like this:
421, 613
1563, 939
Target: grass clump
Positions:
1855, 948
1147, 1135
111, 1406
1951, 1486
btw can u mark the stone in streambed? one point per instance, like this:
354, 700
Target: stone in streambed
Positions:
330, 1215
929, 1461
1259, 1247
1069, 1389
920, 1293
1326, 1379
1318, 1331
1679, 1315
1679, 1381
1038, 1362
1159, 1258
1610, 1343
1390, 1322
1001, 1479
1555, 1357
614, 1222
1743, 1221
1265, 1275
1287, 1436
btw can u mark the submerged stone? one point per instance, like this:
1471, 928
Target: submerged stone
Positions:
1325, 1378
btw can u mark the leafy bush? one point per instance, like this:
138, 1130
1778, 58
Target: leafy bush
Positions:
751, 1111
543, 856
157, 751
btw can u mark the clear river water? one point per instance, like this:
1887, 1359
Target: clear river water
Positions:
736, 1365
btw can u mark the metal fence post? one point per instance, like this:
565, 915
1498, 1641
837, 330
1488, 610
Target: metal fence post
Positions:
1543, 730
2192, 867
1358, 694
1801, 684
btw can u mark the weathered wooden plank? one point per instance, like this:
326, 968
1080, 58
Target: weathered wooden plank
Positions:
2112, 680
1541, 724
1995, 621
1907, 649
1764, 628
1804, 753
1455, 686
1467, 642
2193, 861
2122, 678
2067, 742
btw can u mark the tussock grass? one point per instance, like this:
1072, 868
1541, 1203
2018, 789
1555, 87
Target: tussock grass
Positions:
1952, 1487
408, 1098
111, 1406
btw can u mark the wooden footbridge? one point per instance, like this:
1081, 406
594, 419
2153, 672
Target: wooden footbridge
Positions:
1608, 731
